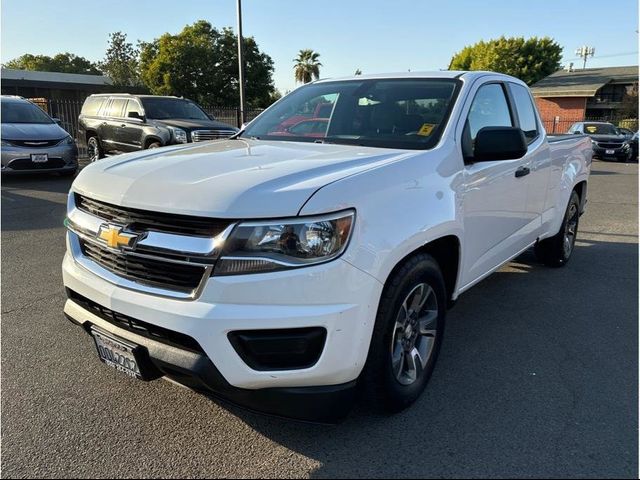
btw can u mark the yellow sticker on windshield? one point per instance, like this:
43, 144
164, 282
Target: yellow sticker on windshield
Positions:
591, 129
426, 129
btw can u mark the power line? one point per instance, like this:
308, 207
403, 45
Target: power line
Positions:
606, 56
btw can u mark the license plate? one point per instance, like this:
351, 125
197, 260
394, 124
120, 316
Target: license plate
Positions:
117, 353
609, 152
39, 157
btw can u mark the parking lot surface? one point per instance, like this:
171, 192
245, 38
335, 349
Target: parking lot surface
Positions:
538, 375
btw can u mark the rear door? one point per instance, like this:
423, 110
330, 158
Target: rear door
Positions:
109, 130
538, 155
494, 195
130, 134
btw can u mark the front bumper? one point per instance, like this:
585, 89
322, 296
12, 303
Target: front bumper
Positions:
336, 296
17, 160
618, 153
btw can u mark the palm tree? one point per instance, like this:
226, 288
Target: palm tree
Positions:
307, 66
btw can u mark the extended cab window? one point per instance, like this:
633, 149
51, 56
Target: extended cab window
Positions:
526, 112
116, 107
389, 113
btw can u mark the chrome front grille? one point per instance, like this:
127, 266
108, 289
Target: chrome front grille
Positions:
146, 270
205, 135
171, 255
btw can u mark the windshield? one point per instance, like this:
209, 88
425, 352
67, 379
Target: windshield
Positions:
400, 113
166, 108
23, 112
600, 129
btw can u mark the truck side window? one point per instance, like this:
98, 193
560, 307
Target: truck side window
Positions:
489, 109
526, 112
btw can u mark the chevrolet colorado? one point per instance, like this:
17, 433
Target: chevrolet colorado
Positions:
280, 272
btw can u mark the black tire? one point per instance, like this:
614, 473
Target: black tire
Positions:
556, 251
94, 148
154, 145
383, 388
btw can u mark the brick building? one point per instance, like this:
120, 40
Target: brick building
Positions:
565, 97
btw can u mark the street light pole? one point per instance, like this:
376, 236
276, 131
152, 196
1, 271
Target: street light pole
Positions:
240, 65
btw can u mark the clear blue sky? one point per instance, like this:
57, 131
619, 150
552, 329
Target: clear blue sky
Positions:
373, 35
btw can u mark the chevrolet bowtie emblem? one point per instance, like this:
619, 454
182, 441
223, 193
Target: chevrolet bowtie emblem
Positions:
115, 237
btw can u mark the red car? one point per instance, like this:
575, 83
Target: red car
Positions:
312, 127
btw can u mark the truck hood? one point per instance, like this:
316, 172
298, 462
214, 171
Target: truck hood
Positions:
227, 179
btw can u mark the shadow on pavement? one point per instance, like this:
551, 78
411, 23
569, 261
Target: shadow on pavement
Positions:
537, 376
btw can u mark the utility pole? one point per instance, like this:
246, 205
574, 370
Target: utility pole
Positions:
240, 65
584, 52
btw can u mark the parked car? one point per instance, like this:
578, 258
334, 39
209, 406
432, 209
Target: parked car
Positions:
279, 272
634, 145
118, 123
607, 141
32, 141
313, 127
628, 134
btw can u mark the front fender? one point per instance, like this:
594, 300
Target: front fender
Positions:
400, 207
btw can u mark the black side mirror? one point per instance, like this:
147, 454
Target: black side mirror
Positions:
135, 115
499, 143
57, 120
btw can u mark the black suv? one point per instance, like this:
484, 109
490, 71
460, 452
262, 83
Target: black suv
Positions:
117, 123
607, 141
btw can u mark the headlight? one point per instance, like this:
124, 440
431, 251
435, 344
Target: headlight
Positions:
179, 135
67, 141
255, 247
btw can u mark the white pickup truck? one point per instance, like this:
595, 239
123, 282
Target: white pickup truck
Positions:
318, 250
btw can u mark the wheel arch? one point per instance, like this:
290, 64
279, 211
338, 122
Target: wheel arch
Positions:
151, 139
446, 251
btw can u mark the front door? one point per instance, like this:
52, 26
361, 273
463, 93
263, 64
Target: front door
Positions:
494, 192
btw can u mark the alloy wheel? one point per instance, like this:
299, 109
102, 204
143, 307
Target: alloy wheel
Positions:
414, 335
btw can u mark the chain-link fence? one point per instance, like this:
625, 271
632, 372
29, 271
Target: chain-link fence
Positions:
68, 111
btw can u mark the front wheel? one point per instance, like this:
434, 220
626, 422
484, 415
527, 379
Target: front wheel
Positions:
556, 251
94, 150
407, 335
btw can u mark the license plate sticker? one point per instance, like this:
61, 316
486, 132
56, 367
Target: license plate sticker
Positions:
117, 353
39, 157
610, 152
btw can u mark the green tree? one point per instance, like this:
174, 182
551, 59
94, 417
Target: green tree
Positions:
121, 61
530, 60
201, 63
307, 66
62, 62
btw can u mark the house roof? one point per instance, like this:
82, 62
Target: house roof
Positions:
54, 77
583, 83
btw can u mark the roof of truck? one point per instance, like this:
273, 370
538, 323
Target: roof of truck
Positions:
435, 74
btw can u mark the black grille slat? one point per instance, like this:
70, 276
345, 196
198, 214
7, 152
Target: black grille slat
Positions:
609, 145
27, 164
146, 220
34, 143
160, 334
153, 272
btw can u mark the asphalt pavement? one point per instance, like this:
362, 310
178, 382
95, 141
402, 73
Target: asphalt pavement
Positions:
538, 375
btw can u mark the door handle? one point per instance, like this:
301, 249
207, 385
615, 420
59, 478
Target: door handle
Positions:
522, 172
123, 125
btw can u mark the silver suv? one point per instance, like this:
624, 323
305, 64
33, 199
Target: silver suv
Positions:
33, 142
